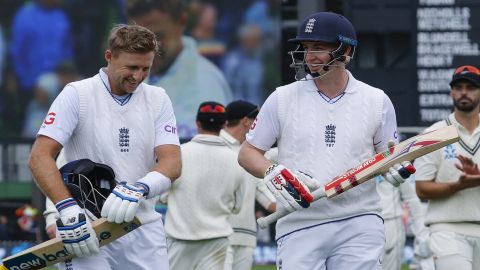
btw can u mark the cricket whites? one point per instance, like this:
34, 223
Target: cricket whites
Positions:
380, 163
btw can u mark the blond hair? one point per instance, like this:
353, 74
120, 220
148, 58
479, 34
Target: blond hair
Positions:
131, 39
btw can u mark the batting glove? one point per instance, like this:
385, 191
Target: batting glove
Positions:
122, 204
398, 173
290, 190
75, 229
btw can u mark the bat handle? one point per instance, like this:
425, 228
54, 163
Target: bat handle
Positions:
263, 222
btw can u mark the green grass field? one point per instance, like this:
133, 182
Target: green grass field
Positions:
272, 267
256, 267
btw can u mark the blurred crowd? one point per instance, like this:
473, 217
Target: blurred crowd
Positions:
45, 44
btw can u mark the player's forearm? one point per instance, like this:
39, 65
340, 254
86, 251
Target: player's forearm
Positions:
430, 190
169, 161
253, 160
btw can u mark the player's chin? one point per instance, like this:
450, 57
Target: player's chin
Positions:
130, 87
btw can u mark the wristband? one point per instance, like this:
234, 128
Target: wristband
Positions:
154, 184
68, 207
63, 204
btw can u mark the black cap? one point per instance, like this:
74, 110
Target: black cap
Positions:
240, 108
211, 112
469, 73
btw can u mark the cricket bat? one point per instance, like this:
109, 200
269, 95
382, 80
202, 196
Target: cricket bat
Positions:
409, 149
52, 251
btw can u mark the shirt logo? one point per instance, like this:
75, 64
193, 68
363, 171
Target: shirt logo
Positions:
449, 152
309, 26
330, 135
124, 140
170, 129
50, 118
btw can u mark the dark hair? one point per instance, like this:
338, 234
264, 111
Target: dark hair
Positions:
207, 126
131, 39
174, 8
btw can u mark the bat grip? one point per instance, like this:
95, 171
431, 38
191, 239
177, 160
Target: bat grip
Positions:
263, 222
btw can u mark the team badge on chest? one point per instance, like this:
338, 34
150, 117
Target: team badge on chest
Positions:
449, 152
330, 135
124, 139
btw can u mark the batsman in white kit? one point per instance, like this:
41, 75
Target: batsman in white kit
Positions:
324, 124
113, 118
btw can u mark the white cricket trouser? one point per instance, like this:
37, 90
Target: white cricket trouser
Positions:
351, 244
455, 251
395, 241
202, 254
144, 248
239, 258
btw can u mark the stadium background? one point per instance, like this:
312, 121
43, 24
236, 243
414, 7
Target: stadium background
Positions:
408, 48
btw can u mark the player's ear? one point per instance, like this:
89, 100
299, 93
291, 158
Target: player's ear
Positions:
108, 56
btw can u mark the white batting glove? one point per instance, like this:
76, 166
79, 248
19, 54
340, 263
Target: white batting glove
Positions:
398, 173
122, 204
75, 229
288, 188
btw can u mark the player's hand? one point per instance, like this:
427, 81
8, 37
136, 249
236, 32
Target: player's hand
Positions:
75, 229
398, 173
52, 231
288, 188
467, 165
122, 204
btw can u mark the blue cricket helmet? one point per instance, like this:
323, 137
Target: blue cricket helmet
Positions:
327, 27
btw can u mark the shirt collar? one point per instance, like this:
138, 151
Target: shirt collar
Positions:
459, 126
309, 84
229, 138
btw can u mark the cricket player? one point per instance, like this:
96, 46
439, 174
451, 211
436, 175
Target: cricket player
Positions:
453, 213
324, 124
240, 117
210, 189
113, 118
391, 199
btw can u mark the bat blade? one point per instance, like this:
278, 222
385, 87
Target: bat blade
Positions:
406, 150
53, 251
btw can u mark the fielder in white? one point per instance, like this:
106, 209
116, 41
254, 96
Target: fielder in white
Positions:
453, 212
210, 189
391, 200
115, 119
324, 124
240, 117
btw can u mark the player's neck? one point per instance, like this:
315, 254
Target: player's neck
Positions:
469, 120
333, 83
236, 132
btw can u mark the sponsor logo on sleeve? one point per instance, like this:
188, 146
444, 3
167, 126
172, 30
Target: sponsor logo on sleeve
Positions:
50, 118
170, 129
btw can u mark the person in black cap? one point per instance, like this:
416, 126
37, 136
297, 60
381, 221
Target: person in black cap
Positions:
452, 188
209, 190
240, 117
211, 117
